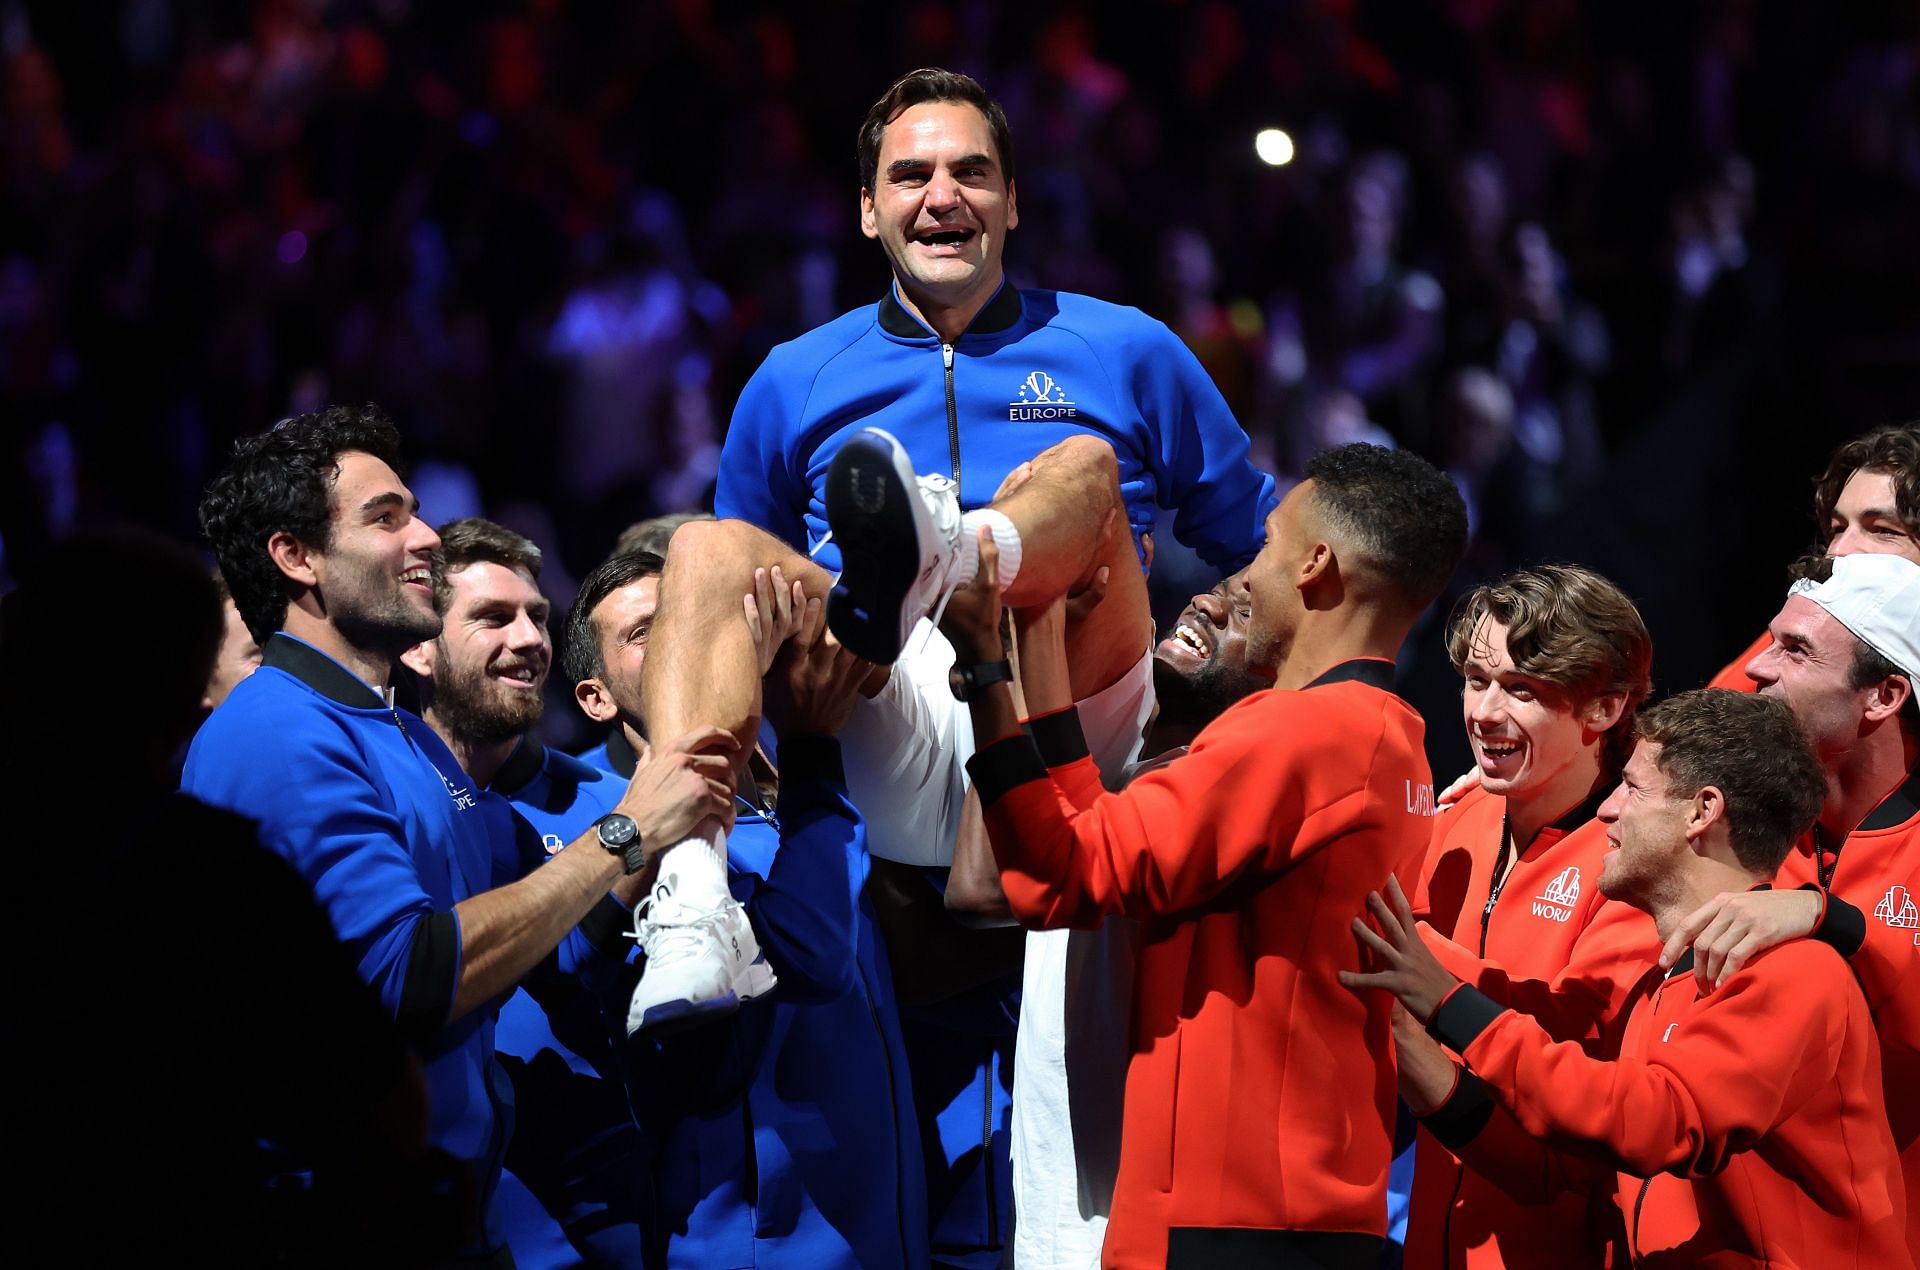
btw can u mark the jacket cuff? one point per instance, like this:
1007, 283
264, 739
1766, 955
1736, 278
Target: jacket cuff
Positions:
433, 960
1463, 1015
1058, 737
1004, 766
605, 926
1841, 927
1459, 1119
811, 756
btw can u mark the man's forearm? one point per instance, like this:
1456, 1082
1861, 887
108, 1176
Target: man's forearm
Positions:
506, 932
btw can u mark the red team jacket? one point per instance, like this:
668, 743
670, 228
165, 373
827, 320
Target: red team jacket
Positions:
1748, 1123
1260, 1093
1549, 944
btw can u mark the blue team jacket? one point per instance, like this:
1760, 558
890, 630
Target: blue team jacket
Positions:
1034, 368
787, 1132
374, 813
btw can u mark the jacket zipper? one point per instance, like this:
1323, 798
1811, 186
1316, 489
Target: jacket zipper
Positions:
893, 1112
1646, 1183
1494, 887
953, 419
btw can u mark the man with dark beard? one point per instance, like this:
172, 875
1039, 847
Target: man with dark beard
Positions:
481, 689
328, 562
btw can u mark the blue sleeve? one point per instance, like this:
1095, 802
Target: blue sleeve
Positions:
760, 482
806, 911
1220, 500
321, 812
594, 947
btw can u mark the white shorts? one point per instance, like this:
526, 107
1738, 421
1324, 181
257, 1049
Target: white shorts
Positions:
906, 749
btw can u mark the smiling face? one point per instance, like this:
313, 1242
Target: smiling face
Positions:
1865, 520
1529, 739
622, 624
1276, 603
1647, 829
940, 206
491, 661
374, 579
1809, 666
1201, 668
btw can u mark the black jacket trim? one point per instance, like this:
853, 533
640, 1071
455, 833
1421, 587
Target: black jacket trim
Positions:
812, 757
1004, 766
1897, 808
426, 994
1842, 927
620, 755
1373, 671
606, 925
319, 672
1463, 1016
1459, 1119
527, 761
997, 315
1059, 737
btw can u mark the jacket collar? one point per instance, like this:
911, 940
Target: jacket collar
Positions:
620, 755
526, 762
319, 672
999, 313
1375, 672
1902, 805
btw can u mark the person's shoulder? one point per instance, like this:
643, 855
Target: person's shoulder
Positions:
1469, 814
562, 766
269, 709
823, 343
1800, 969
1090, 316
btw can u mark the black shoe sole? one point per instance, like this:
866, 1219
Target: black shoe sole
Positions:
869, 511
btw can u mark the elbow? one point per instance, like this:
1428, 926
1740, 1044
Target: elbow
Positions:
977, 903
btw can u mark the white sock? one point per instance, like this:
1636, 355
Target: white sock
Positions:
1005, 537
698, 866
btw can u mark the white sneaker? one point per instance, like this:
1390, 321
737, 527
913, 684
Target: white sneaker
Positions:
701, 962
900, 545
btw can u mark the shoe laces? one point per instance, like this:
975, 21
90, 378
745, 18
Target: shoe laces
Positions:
673, 930
943, 506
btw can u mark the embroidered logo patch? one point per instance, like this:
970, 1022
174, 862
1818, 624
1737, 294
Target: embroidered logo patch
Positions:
1040, 397
1896, 908
1557, 901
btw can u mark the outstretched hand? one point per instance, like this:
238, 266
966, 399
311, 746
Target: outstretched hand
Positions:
1406, 967
1729, 929
679, 784
972, 620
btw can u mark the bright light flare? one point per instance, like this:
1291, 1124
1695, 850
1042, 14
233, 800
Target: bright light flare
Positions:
1274, 147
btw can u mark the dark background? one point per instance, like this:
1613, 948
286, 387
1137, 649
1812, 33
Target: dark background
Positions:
1630, 269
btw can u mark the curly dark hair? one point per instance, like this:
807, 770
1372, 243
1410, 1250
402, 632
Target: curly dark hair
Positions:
1406, 516
1895, 450
930, 83
1751, 749
580, 653
282, 480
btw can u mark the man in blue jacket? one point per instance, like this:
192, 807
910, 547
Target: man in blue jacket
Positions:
318, 540
575, 1171
786, 1132
974, 378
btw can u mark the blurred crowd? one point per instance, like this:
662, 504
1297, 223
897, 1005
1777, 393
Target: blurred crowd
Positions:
1550, 240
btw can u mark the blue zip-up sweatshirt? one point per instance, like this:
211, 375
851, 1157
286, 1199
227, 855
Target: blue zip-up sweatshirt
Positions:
374, 813
575, 1146
1033, 368
787, 1132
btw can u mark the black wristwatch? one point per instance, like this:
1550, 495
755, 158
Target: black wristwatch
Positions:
620, 835
969, 682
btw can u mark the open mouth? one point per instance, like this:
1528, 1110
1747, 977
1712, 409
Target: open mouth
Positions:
1496, 751
419, 575
946, 238
523, 676
1187, 643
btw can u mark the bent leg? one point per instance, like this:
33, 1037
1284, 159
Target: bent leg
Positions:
702, 668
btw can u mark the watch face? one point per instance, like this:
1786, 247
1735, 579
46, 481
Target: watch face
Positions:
617, 830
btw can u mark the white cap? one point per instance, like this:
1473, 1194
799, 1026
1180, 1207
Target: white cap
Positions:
1877, 597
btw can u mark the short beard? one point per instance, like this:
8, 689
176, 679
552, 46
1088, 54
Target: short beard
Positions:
1196, 698
392, 630
470, 709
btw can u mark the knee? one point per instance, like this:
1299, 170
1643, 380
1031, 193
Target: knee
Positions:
1088, 462
705, 546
